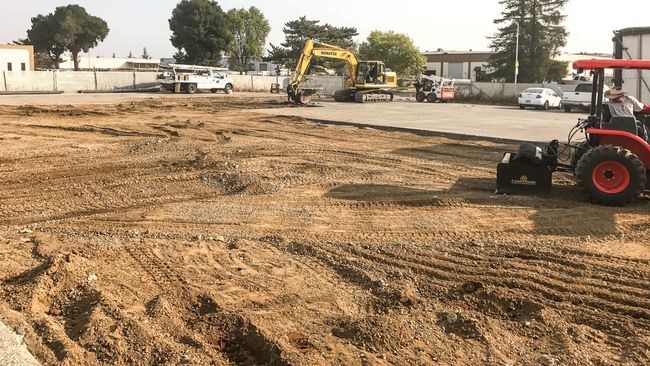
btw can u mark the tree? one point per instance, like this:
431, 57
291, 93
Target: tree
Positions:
249, 29
557, 70
396, 50
69, 28
145, 55
199, 31
541, 37
297, 32
81, 30
44, 36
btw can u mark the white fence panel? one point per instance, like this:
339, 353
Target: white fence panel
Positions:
19, 81
504, 90
73, 81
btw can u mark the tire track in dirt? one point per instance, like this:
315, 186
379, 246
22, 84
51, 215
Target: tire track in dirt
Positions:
226, 332
620, 309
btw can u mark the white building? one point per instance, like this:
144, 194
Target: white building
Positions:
111, 64
633, 43
570, 58
16, 57
467, 64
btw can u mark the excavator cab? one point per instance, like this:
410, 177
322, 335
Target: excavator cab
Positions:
371, 72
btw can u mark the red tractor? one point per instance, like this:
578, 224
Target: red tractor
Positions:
612, 165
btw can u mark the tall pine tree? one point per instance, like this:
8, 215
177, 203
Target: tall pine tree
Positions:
541, 37
297, 32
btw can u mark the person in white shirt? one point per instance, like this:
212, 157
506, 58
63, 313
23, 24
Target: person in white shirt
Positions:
623, 105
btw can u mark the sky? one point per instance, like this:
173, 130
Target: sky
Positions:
458, 25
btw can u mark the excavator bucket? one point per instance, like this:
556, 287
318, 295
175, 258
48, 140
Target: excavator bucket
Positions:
303, 96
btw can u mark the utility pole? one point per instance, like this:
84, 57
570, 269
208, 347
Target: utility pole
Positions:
516, 56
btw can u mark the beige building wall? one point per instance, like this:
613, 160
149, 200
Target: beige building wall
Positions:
456, 64
16, 58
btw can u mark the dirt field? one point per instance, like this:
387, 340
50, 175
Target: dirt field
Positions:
195, 232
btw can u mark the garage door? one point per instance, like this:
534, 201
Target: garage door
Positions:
456, 70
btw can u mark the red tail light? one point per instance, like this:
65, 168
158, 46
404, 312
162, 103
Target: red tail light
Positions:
539, 96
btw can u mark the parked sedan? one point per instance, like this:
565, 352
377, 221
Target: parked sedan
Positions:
540, 98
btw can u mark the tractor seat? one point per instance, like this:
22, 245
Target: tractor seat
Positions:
628, 124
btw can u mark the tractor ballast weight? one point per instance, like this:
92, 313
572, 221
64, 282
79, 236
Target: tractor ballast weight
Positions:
612, 166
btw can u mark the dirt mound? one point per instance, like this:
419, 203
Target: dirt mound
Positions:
61, 111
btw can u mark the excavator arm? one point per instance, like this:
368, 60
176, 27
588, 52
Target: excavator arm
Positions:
317, 49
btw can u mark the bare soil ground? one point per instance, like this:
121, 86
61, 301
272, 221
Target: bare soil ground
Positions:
194, 232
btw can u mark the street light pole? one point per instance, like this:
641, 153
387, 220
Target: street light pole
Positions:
516, 57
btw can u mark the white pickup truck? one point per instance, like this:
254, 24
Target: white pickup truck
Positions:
190, 78
579, 98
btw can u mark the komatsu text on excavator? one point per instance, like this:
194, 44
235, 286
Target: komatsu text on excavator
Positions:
366, 81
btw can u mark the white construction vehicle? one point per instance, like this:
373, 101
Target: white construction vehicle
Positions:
432, 88
191, 78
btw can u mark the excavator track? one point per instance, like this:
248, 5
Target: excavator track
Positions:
368, 96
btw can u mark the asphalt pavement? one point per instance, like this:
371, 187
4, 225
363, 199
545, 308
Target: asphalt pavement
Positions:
505, 122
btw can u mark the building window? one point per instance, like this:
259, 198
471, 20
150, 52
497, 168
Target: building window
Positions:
9, 66
264, 67
23, 67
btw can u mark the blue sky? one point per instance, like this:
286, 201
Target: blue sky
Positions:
451, 25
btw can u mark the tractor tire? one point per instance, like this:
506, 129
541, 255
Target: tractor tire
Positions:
191, 88
611, 175
567, 108
431, 98
420, 97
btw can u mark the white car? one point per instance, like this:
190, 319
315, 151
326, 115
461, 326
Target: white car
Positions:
539, 98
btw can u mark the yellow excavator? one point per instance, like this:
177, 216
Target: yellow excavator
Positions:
366, 81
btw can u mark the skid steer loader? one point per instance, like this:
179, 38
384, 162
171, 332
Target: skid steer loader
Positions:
432, 88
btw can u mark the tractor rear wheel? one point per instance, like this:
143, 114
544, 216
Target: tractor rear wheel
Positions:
611, 175
432, 97
420, 97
